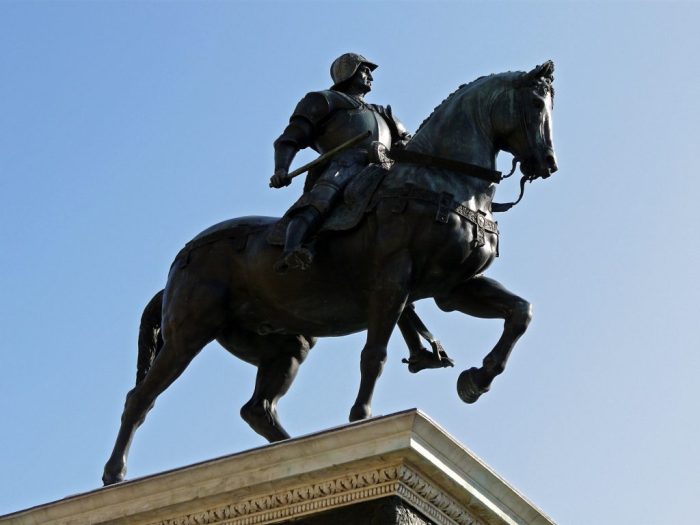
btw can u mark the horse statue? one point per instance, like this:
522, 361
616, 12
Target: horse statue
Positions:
428, 232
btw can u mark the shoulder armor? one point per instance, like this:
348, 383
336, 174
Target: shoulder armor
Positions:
317, 105
314, 107
339, 100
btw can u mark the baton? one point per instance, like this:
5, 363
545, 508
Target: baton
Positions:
327, 155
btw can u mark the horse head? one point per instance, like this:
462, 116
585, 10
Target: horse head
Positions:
501, 112
521, 120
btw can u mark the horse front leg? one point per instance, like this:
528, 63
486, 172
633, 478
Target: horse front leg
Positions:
488, 299
386, 302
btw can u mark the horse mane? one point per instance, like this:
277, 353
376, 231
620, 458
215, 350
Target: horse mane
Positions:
547, 82
444, 101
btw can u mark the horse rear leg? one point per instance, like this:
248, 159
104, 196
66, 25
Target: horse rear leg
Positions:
386, 303
488, 299
185, 332
278, 358
167, 367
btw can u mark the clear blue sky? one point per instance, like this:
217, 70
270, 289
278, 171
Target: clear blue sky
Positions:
128, 127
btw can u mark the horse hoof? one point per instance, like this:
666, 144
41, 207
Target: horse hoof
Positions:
360, 412
467, 388
111, 479
114, 471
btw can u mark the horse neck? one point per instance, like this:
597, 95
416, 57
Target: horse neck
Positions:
459, 129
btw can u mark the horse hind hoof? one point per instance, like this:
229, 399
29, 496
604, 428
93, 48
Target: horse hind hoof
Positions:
111, 479
359, 412
467, 388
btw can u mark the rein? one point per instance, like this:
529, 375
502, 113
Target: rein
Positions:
501, 207
498, 207
430, 161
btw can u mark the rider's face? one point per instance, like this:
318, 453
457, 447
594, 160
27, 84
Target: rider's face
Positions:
362, 79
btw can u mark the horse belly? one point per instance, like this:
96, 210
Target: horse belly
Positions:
322, 301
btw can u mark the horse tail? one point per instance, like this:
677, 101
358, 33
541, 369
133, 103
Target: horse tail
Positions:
150, 337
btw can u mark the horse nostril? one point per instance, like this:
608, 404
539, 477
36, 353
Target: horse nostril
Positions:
551, 163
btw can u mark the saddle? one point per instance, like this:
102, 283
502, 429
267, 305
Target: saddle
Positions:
346, 214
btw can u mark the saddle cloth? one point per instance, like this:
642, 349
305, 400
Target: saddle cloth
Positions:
347, 213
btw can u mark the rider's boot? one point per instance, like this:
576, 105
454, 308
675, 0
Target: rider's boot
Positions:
302, 226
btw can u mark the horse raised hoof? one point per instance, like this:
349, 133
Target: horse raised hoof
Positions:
467, 387
297, 259
423, 359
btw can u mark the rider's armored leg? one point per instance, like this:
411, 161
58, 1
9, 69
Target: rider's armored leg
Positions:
302, 226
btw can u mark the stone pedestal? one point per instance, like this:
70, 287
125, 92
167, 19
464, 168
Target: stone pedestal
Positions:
398, 469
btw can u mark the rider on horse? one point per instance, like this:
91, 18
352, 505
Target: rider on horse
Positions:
324, 120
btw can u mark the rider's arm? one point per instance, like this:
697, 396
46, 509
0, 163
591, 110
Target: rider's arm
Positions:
299, 134
284, 154
293, 139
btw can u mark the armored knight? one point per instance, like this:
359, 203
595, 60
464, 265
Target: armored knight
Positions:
324, 120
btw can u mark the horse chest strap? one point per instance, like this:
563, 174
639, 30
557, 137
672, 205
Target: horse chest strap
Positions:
480, 222
445, 205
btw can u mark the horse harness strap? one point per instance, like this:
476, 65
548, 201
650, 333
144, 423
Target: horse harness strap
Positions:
445, 203
478, 219
423, 159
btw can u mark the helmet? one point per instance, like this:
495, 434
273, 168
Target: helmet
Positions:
345, 66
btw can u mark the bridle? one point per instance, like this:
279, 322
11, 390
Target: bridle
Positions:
493, 176
497, 207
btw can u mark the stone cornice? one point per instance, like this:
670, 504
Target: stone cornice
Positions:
413, 457
393, 480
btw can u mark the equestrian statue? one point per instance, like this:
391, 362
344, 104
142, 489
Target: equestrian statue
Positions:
385, 220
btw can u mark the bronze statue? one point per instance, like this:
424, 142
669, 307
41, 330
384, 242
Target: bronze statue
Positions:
425, 230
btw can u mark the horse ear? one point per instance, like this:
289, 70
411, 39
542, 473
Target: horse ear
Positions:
544, 71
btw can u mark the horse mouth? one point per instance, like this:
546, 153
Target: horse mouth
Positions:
539, 170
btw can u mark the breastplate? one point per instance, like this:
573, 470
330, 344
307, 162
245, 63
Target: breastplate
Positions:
345, 124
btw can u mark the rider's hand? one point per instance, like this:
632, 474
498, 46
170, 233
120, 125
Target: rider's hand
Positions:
280, 179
